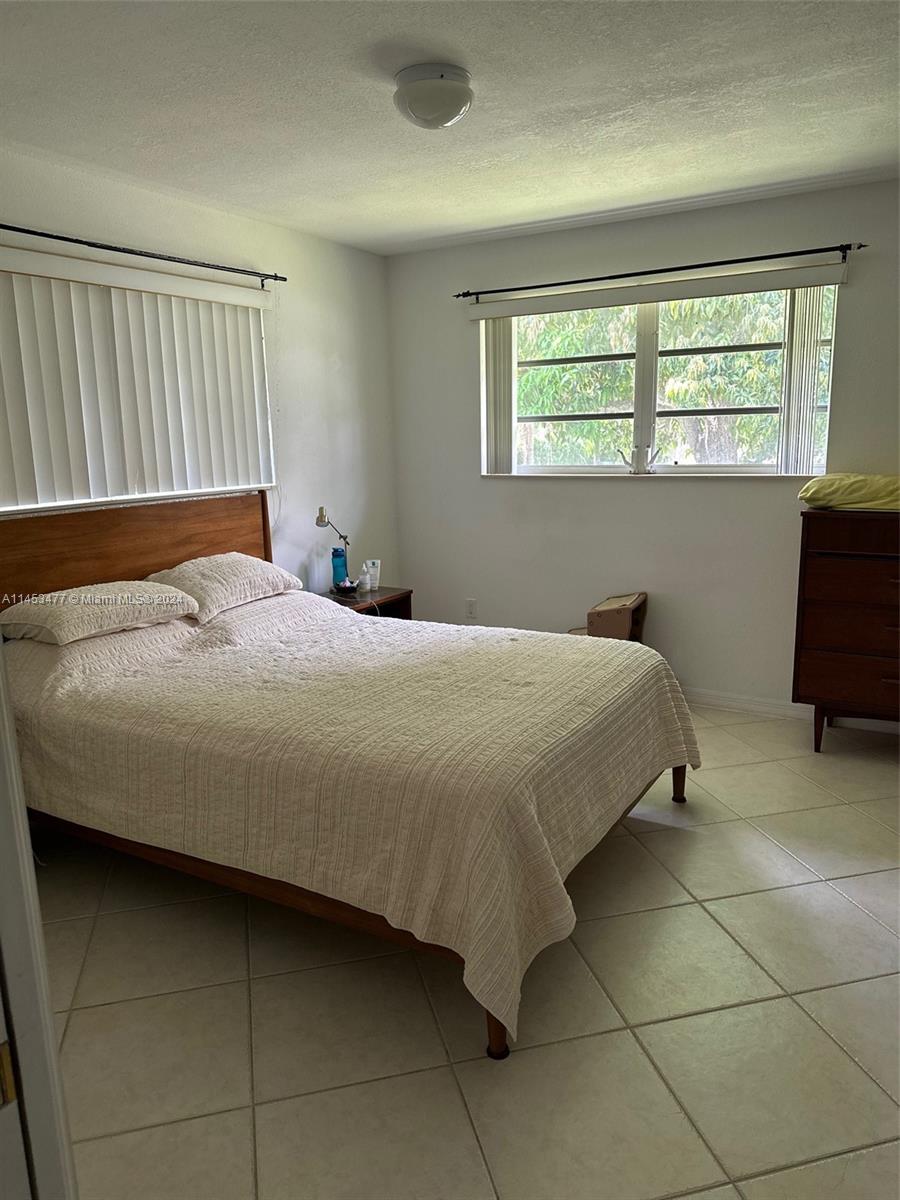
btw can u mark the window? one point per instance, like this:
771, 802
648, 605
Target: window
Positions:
724, 383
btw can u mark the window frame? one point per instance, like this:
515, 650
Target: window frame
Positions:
645, 412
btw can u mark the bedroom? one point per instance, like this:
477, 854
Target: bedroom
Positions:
756, 919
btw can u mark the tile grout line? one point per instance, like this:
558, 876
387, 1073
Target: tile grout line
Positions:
822, 808
254, 1154
786, 762
459, 1088
218, 1112
682, 1107
828, 987
199, 987
777, 1170
692, 899
878, 821
737, 815
827, 1031
845, 744
807, 1162
642, 1048
87, 950
748, 821
103, 1137
139, 908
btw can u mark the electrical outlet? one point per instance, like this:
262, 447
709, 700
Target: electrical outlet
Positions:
471, 609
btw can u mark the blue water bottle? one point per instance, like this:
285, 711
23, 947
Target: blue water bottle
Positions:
338, 565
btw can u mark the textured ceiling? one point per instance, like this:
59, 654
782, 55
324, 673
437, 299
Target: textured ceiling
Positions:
284, 110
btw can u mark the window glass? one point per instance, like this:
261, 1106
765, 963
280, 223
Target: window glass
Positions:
722, 320
745, 378
572, 443
587, 331
720, 439
576, 388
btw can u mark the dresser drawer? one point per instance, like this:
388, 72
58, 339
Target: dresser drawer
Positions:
852, 580
853, 533
857, 628
854, 679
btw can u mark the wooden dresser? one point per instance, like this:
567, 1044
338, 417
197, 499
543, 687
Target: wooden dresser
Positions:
846, 650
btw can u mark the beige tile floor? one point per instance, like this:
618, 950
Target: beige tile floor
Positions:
722, 1023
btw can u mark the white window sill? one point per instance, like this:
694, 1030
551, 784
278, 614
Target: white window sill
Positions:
670, 473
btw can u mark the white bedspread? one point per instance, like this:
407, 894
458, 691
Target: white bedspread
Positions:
446, 777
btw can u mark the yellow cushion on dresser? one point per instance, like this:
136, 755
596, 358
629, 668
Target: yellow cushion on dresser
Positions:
874, 492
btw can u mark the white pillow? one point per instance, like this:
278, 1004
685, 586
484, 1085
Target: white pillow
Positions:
84, 612
224, 581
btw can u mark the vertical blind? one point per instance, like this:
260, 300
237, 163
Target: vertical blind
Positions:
111, 393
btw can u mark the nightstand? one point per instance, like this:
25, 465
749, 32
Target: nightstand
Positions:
381, 602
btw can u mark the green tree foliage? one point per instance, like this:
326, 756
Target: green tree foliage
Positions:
748, 378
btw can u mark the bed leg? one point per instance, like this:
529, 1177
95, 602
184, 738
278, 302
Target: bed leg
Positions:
818, 728
679, 775
497, 1046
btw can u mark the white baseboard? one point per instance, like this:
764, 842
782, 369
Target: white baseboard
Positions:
765, 708
778, 708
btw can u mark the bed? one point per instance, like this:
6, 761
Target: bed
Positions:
434, 784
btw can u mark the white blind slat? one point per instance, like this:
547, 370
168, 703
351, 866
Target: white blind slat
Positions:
51, 384
138, 343
10, 390
21, 487
182, 351
108, 407
198, 391
156, 381
245, 362
213, 401
35, 403
226, 406
87, 390
235, 383
171, 398
127, 385
63, 320
263, 425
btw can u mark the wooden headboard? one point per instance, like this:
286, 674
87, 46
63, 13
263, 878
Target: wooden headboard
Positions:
46, 552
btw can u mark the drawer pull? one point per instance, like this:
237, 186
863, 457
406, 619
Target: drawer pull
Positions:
883, 680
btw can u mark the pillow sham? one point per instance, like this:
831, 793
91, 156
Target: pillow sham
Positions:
85, 612
223, 581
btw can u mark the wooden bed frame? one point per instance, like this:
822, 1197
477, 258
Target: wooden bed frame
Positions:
51, 551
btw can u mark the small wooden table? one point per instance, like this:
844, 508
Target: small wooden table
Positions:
381, 602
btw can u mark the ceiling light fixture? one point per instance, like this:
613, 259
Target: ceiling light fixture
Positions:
433, 95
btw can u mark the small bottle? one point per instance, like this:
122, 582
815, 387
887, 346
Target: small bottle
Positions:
338, 565
364, 583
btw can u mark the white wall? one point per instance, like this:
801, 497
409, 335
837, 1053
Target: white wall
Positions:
718, 556
326, 345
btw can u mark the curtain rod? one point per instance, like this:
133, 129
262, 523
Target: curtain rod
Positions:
844, 249
262, 276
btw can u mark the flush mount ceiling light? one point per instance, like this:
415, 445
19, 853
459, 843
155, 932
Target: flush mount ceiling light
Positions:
433, 95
